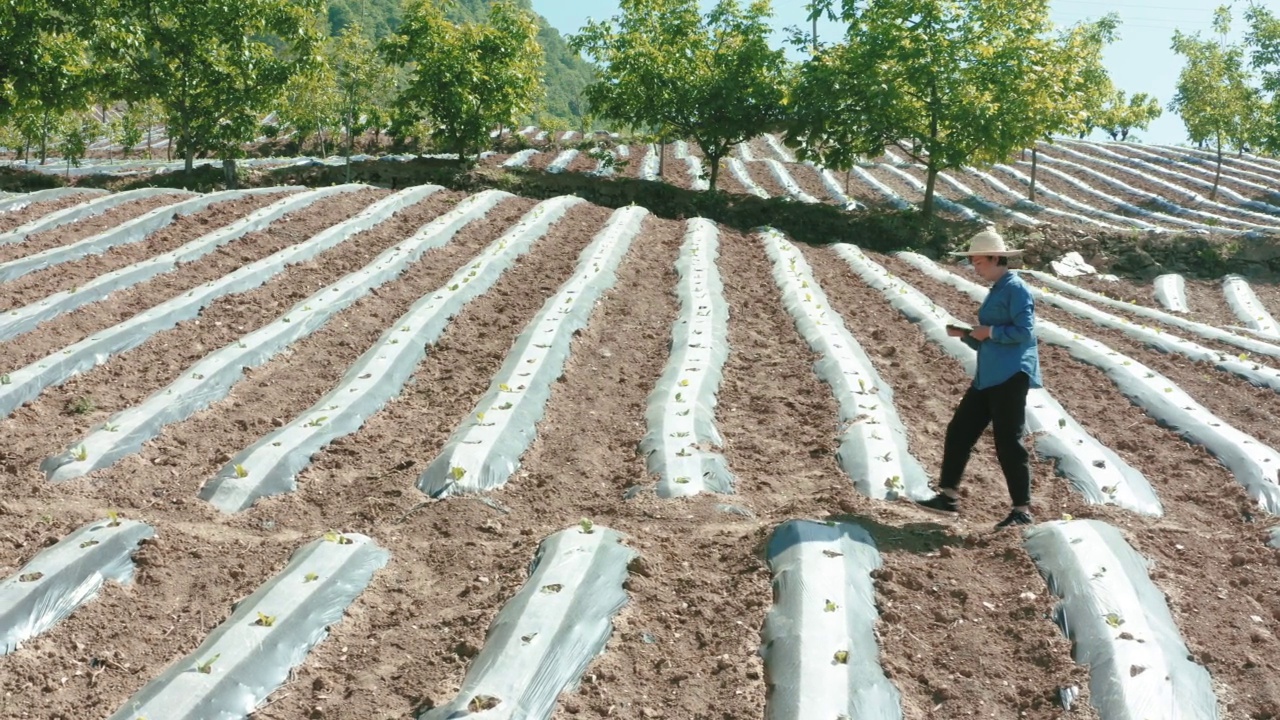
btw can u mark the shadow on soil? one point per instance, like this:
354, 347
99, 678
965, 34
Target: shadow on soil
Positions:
915, 537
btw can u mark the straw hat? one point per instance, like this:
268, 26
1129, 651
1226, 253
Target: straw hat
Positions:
988, 242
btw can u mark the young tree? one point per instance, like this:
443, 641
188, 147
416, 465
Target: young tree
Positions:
212, 65
710, 78
466, 78
949, 82
1120, 117
362, 82
309, 104
1213, 93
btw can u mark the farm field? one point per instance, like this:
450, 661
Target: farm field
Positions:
547, 459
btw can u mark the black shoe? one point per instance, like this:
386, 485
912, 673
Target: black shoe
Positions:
940, 504
1016, 517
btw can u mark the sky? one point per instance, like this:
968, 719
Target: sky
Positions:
1141, 60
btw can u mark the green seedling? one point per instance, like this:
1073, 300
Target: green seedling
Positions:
505, 406
684, 383
480, 703
453, 287
682, 480
197, 376
265, 620
316, 422
680, 434
240, 471
504, 387
310, 577
894, 483
1062, 423
287, 320
206, 667
82, 406
842, 657
1114, 620
111, 427
679, 397
1168, 389
80, 453
5, 379
587, 526
829, 607
457, 473
684, 413
88, 544
336, 537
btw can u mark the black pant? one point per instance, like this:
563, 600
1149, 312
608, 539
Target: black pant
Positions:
1004, 407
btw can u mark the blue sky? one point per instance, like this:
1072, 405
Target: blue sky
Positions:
1140, 61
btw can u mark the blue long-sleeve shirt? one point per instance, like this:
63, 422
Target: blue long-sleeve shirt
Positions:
1010, 312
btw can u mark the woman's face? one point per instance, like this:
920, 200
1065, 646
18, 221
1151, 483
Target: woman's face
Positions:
986, 267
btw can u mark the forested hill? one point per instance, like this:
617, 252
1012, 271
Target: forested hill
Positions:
566, 74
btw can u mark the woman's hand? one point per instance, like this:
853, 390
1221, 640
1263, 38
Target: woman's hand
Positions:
981, 332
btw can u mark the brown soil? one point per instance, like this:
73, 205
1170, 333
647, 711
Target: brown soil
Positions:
1208, 549
1177, 176
117, 307
84, 228
1141, 184
764, 177
182, 230
808, 179
17, 218
965, 627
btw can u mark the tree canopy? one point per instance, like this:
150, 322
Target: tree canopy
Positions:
666, 66
466, 78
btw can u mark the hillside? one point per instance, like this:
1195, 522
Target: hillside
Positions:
566, 74
351, 452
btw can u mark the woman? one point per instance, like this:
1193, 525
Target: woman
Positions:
1008, 367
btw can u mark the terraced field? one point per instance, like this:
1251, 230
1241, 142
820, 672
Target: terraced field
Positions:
356, 453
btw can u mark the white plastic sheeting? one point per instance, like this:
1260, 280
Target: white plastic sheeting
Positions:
21, 320
894, 198
485, 450
23, 200
27, 382
65, 576
740, 173
1171, 292
210, 379
1275, 538
698, 179
132, 231
744, 152
1198, 328
1265, 212
1019, 201
1256, 373
1046, 168
270, 466
1254, 465
1077, 205
246, 658
1176, 190
649, 165
1246, 305
835, 189
784, 178
521, 158
1094, 470
1119, 624
561, 161
544, 638
986, 205
873, 449
784, 154
681, 408
819, 640
96, 206
942, 202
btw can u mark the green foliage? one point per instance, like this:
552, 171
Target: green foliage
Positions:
363, 81
1214, 96
309, 104
1118, 117
213, 66
665, 66
43, 54
465, 79
950, 82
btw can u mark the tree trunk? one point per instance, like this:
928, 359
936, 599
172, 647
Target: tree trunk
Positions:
928, 191
351, 144
229, 171
1035, 162
188, 154
662, 159
44, 136
1218, 173
815, 33
715, 170
847, 174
